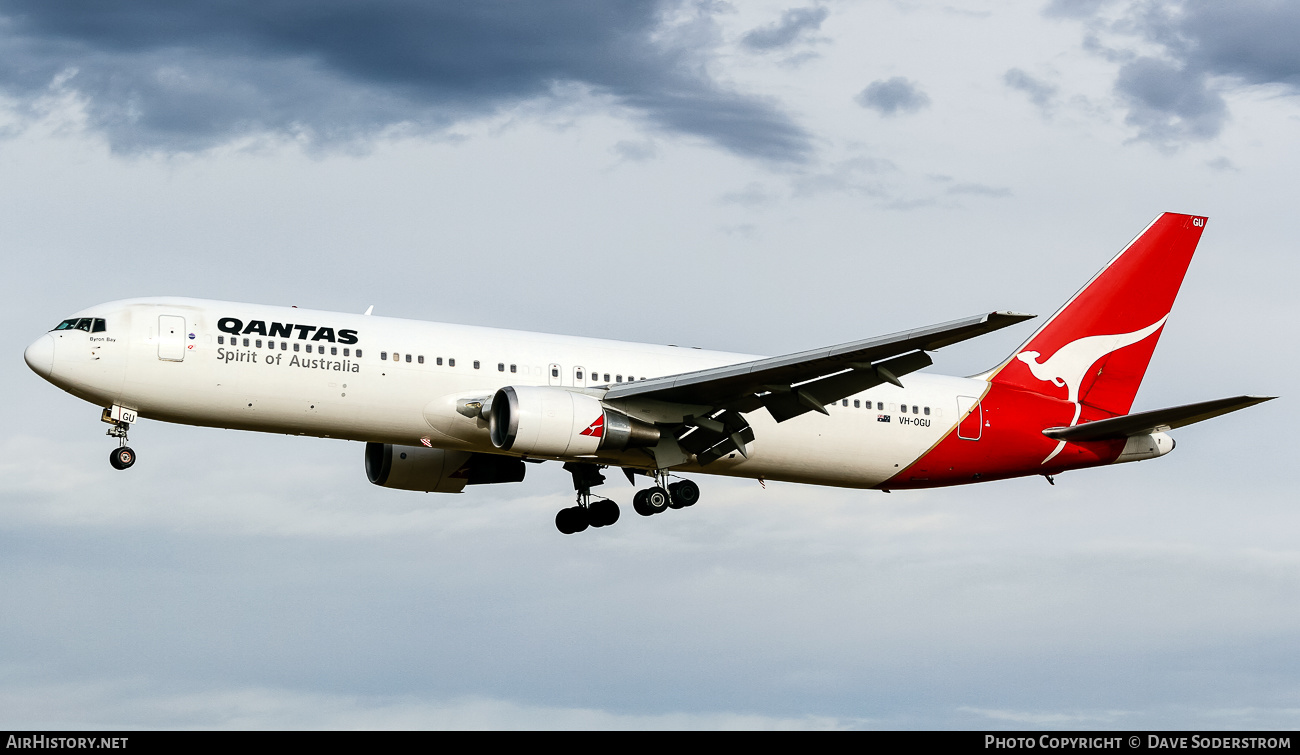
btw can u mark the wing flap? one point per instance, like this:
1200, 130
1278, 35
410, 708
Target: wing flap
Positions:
815, 395
1157, 420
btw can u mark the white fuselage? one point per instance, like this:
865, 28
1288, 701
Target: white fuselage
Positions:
401, 382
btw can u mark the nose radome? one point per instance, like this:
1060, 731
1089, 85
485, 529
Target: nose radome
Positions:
40, 355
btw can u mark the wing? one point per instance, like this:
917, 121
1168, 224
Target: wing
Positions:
813, 372
791, 385
1158, 420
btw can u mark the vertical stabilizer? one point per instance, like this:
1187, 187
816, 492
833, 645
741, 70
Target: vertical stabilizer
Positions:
1095, 350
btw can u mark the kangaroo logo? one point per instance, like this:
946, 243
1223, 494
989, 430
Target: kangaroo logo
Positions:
595, 429
1068, 366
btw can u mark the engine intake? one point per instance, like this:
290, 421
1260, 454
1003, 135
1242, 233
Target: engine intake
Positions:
555, 422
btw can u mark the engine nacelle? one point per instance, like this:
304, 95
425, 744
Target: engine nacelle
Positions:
434, 470
542, 421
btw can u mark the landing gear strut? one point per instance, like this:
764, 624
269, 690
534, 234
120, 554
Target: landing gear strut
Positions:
122, 457
601, 512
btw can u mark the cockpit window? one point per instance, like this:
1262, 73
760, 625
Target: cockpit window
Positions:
88, 324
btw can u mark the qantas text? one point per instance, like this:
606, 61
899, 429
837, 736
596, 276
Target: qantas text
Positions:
236, 327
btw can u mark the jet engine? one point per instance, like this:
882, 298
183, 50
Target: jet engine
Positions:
434, 470
554, 422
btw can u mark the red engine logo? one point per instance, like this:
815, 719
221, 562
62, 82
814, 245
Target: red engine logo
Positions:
595, 429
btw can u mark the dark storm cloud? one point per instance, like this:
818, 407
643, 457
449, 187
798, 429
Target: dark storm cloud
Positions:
892, 96
794, 23
1168, 102
161, 75
1206, 45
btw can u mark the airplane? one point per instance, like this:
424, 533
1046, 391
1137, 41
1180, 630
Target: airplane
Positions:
441, 406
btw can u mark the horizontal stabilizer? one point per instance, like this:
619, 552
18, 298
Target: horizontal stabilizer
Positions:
1157, 420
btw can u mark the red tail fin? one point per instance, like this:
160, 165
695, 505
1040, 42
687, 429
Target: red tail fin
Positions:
1096, 348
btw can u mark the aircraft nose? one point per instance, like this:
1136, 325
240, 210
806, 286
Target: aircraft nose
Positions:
40, 355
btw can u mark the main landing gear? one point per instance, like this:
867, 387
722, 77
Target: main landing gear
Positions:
122, 457
603, 512
657, 499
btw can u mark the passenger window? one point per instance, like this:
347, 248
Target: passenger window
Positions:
221, 339
555, 372
914, 411
347, 352
451, 362
579, 375
857, 403
927, 411
439, 361
246, 344
419, 359
358, 353
383, 356
606, 377
476, 364
397, 357
618, 378
334, 351
514, 369
501, 366
258, 342
846, 402
308, 348
630, 378
408, 358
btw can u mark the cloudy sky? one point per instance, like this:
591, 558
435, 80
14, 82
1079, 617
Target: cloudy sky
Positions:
757, 177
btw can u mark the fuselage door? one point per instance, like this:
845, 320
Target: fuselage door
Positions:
972, 418
171, 338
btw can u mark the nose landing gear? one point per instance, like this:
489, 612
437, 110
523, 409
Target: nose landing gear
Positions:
122, 457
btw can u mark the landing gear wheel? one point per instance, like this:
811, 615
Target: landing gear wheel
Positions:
122, 458
571, 520
639, 505
684, 493
656, 499
602, 513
